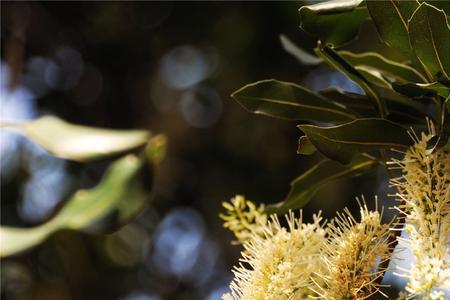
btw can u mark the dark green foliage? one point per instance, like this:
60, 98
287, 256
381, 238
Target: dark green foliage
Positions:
397, 93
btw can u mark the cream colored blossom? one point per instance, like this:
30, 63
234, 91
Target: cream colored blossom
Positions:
279, 264
353, 255
244, 218
424, 193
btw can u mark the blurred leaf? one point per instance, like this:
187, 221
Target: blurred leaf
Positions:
336, 61
333, 22
398, 71
429, 34
289, 101
304, 187
405, 111
391, 20
122, 193
80, 143
301, 55
305, 146
343, 142
424, 89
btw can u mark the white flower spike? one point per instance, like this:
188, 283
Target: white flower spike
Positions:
424, 195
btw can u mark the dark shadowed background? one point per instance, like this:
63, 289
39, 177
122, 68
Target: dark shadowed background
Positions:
170, 68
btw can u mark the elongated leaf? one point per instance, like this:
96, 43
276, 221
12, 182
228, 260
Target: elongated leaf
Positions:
308, 184
419, 90
375, 77
289, 101
343, 142
401, 111
333, 22
356, 102
429, 34
122, 193
444, 5
334, 60
391, 20
301, 55
398, 71
80, 143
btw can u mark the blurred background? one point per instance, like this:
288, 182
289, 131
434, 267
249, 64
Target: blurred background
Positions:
170, 68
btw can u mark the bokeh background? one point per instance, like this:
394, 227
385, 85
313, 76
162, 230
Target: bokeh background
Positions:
170, 68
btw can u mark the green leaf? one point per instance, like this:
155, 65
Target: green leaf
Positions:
404, 111
444, 5
336, 61
420, 90
305, 146
289, 101
343, 142
122, 193
373, 76
429, 34
391, 20
398, 71
309, 183
333, 22
301, 55
80, 143
355, 102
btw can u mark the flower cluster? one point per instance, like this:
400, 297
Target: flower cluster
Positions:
352, 255
346, 258
305, 261
244, 218
280, 264
424, 195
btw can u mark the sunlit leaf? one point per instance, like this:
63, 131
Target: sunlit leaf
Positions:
122, 193
301, 55
289, 101
331, 57
80, 143
391, 20
343, 142
398, 71
309, 183
429, 33
333, 22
